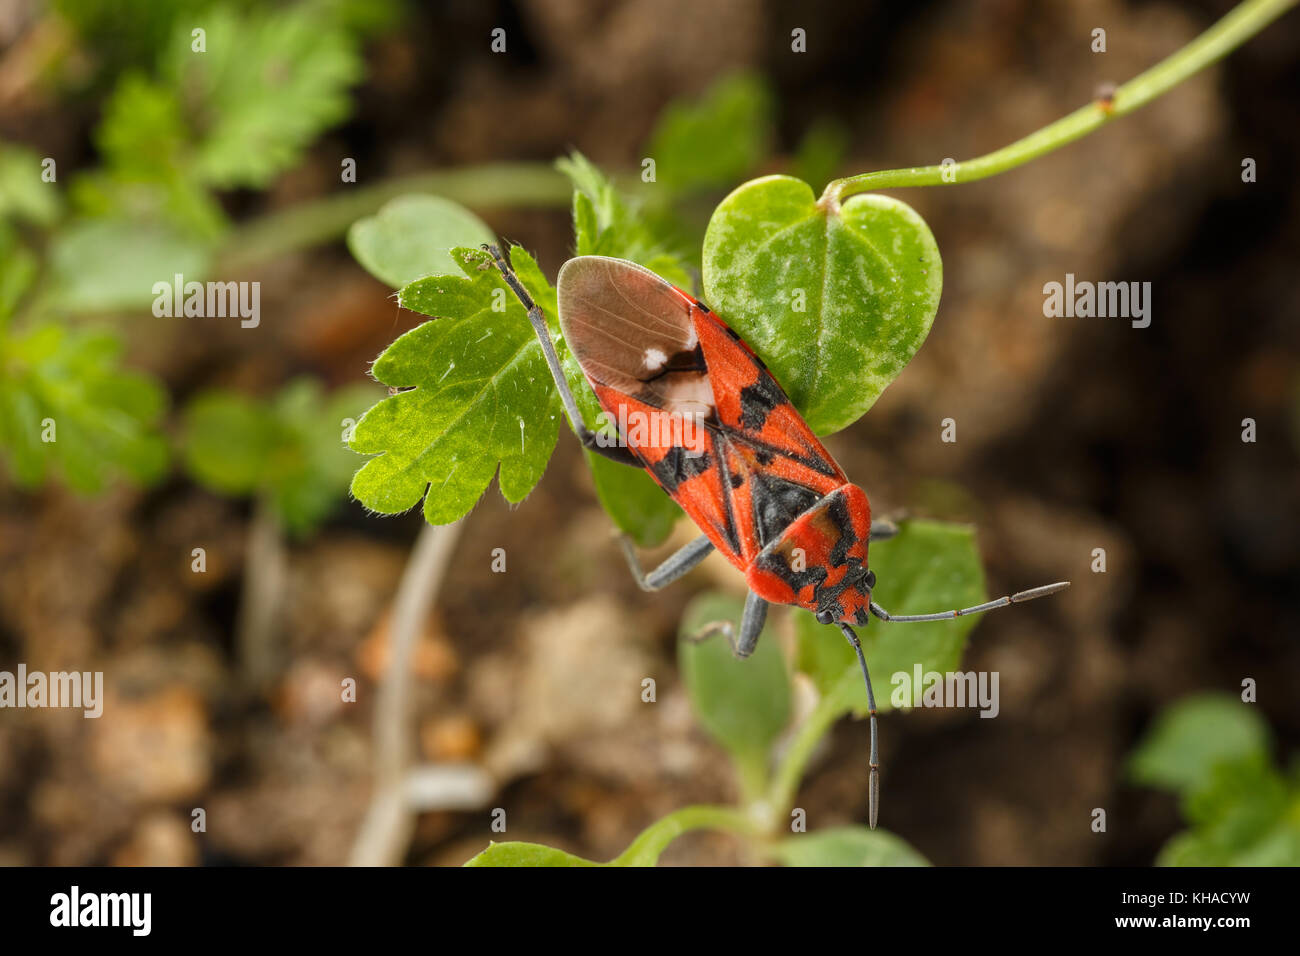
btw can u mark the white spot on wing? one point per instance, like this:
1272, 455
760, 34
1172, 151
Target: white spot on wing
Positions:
654, 359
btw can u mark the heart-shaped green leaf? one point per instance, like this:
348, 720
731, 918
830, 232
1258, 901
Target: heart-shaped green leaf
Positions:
412, 236
847, 846
929, 566
835, 299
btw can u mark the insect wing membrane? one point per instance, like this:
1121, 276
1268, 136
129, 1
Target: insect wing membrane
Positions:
632, 332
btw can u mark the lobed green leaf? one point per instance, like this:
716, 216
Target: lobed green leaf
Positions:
477, 396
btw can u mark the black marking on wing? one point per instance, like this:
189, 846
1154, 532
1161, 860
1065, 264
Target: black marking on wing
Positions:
758, 400
766, 453
778, 502
684, 361
679, 466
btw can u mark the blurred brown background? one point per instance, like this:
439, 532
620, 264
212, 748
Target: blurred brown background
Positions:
1073, 434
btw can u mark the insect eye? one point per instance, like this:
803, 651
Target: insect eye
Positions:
871, 580
825, 617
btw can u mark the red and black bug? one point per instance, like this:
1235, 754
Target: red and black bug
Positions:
738, 458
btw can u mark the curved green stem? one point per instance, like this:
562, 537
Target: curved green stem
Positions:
1243, 22
785, 785
654, 839
489, 186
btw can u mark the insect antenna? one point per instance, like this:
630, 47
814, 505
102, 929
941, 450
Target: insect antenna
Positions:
873, 802
1019, 597
543, 334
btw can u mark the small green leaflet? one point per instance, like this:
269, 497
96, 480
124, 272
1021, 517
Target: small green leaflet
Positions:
412, 236
1215, 752
100, 265
1181, 748
24, 196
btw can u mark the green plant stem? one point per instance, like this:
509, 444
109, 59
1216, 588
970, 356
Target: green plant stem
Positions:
492, 185
651, 842
785, 785
1243, 22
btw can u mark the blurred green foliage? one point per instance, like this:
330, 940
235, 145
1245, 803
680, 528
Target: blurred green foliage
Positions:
178, 125
1215, 752
715, 140
67, 407
606, 224
847, 846
289, 450
268, 81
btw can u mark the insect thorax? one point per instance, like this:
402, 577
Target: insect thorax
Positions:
820, 560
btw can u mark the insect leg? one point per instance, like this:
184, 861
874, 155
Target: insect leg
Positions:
588, 438
674, 566
873, 791
751, 626
1018, 598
